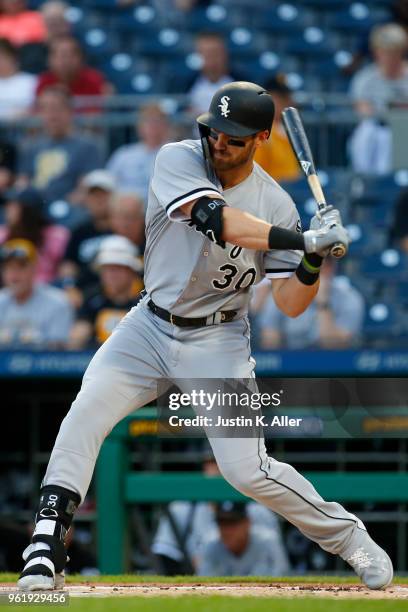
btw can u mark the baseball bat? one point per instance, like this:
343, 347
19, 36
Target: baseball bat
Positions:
300, 145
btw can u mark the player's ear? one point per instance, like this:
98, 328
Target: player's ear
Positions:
262, 137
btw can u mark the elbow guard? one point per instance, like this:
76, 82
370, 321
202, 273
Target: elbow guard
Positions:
206, 215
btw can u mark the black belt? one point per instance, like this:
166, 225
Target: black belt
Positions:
218, 317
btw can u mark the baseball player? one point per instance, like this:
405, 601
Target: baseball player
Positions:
216, 224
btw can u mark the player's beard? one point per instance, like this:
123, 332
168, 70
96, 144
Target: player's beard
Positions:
229, 162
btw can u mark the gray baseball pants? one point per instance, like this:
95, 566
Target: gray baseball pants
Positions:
123, 376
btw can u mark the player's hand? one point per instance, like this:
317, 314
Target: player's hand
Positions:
327, 217
320, 240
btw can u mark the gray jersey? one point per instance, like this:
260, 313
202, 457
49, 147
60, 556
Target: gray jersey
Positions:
185, 272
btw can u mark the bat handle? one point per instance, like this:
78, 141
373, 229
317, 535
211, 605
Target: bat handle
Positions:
338, 250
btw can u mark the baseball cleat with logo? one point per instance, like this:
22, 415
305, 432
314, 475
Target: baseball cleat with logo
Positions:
39, 570
370, 562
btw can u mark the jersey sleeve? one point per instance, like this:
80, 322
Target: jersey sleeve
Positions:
179, 177
282, 264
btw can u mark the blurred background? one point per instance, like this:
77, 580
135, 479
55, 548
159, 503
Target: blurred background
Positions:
89, 92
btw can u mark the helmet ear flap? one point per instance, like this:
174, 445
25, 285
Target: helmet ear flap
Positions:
204, 133
204, 130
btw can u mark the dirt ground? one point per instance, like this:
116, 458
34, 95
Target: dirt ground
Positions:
254, 590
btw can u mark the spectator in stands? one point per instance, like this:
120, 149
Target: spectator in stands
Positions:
25, 218
20, 25
34, 55
240, 550
17, 89
128, 218
132, 164
333, 321
76, 270
30, 314
374, 89
54, 14
276, 155
399, 228
120, 283
56, 160
66, 68
214, 73
7, 167
179, 553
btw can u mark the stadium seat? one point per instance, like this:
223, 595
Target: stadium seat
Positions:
364, 239
390, 265
246, 43
311, 44
381, 321
368, 190
330, 70
98, 45
214, 18
180, 73
132, 76
165, 43
355, 18
402, 294
285, 18
65, 214
143, 19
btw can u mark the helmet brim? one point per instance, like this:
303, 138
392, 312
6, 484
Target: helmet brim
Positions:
226, 126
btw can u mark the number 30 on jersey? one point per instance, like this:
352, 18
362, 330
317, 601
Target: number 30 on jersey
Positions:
245, 280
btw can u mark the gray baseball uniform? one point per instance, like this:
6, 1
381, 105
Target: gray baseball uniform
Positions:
190, 276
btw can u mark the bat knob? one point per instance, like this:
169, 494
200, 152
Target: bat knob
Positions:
338, 250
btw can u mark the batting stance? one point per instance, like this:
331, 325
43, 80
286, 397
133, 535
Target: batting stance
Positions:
216, 224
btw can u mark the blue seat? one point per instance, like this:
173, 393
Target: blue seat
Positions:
180, 73
65, 214
142, 19
298, 190
313, 42
132, 76
214, 18
165, 43
389, 266
284, 18
381, 321
363, 239
402, 293
246, 43
98, 45
357, 18
324, 5
368, 190
330, 69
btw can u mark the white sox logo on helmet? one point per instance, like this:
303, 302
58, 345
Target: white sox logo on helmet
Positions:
225, 111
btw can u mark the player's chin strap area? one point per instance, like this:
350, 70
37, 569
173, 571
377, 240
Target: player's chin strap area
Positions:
223, 316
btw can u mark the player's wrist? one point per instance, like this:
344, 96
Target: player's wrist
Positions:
313, 261
283, 239
307, 271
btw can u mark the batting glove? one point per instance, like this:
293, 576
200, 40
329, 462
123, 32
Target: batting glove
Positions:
327, 217
320, 240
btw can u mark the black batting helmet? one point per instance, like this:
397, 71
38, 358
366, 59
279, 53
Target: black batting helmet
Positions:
239, 109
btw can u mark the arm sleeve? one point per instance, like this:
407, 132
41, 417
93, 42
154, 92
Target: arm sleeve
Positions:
282, 264
179, 177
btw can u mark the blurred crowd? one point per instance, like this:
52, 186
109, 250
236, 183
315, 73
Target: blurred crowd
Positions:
66, 284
